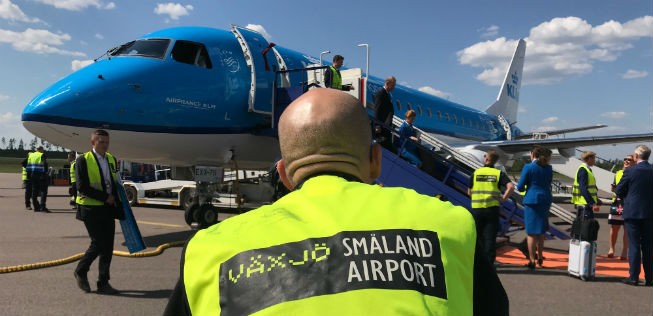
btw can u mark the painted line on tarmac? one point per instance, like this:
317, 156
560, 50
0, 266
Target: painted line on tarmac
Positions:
161, 224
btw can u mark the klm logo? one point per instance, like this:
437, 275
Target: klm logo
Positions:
514, 78
511, 88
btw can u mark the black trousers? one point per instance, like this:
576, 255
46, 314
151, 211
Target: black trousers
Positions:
487, 226
640, 247
37, 183
28, 193
44, 190
101, 227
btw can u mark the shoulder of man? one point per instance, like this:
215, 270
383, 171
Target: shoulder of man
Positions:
80, 160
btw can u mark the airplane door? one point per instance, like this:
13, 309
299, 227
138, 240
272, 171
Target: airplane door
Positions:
260, 92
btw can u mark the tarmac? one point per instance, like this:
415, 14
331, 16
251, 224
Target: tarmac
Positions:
145, 283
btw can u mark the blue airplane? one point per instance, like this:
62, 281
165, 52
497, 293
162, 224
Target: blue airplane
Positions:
190, 96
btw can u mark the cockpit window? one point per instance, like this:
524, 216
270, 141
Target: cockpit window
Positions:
155, 48
191, 53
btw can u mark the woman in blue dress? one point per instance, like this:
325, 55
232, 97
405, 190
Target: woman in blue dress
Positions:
408, 140
536, 179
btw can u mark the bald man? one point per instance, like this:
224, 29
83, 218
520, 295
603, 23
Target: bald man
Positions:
336, 244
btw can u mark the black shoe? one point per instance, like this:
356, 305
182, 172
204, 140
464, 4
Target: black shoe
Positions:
29, 208
82, 282
106, 288
648, 283
531, 265
45, 210
630, 282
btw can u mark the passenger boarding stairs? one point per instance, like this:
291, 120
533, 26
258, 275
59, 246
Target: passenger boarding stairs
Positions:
446, 172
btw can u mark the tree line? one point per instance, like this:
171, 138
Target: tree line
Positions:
12, 147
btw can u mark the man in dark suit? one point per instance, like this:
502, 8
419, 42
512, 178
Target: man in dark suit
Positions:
636, 188
98, 206
384, 112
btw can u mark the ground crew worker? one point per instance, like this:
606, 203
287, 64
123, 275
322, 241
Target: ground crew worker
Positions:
332, 78
485, 193
27, 185
98, 206
337, 245
584, 192
72, 191
36, 165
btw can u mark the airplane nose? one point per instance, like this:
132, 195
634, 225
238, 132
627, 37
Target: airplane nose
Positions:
49, 104
85, 98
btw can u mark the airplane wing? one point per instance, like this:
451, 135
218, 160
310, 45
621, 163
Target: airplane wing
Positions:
563, 144
560, 131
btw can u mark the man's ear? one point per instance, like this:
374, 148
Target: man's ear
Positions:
281, 169
375, 161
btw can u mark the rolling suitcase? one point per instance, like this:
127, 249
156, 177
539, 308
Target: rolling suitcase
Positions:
582, 259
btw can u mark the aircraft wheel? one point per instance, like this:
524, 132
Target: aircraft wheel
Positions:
190, 212
187, 198
206, 215
132, 195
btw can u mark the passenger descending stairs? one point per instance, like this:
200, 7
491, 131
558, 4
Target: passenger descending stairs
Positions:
449, 167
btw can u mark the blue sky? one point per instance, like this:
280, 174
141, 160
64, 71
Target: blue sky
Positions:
586, 63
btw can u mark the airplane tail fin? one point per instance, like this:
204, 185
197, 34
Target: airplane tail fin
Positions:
508, 98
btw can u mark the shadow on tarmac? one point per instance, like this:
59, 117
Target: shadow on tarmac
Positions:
157, 240
156, 294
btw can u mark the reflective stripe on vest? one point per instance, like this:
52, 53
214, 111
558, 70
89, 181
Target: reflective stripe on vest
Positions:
94, 177
336, 79
617, 178
72, 172
485, 188
330, 246
576, 197
34, 162
24, 174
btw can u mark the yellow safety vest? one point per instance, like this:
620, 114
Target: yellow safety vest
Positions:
336, 79
617, 178
485, 188
72, 172
94, 177
24, 174
35, 163
336, 247
576, 196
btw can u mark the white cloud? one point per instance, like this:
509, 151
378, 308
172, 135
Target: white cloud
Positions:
259, 28
12, 12
78, 64
99, 36
550, 120
490, 31
12, 127
9, 117
614, 115
37, 41
557, 49
173, 10
634, 74
435, 92
3, 98
78, 5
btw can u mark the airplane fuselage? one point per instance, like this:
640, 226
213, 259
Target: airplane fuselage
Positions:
188, 96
